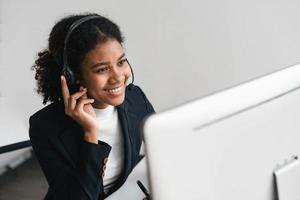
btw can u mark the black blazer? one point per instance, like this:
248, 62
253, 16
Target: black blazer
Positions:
72, 166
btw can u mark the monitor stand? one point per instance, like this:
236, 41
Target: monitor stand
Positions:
287, 180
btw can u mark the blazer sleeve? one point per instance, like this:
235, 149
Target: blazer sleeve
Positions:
66, 183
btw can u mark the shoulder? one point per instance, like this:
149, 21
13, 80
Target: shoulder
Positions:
49, 117
136, 97
134, 92
47, 112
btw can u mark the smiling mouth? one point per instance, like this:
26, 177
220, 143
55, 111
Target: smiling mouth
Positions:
114, 90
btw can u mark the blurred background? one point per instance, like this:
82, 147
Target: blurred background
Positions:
180, 50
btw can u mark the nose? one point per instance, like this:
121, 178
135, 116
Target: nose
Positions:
116, 74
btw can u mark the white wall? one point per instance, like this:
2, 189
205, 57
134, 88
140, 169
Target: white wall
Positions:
179, 49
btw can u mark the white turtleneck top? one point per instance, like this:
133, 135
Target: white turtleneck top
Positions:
110, 132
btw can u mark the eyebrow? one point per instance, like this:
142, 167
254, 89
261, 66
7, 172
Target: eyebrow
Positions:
105, 63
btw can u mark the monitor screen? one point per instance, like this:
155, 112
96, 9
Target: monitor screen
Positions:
228, 144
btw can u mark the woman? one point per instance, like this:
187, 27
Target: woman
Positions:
88, 139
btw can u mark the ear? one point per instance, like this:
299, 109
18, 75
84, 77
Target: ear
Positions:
80, 82
78, 79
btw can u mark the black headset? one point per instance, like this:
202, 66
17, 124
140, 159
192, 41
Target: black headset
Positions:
66, 71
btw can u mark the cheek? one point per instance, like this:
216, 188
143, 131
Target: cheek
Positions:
96, 82
127, 73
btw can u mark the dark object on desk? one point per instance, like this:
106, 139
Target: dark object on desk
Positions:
145, 191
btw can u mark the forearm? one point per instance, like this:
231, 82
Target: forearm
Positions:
89, 168
66, 183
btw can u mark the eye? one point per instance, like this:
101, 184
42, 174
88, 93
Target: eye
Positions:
122, 62
102, 70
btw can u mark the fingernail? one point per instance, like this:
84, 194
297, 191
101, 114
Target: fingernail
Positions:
61, 78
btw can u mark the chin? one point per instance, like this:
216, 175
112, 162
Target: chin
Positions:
116, 102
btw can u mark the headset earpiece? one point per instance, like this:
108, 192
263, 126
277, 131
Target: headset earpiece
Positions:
69, 75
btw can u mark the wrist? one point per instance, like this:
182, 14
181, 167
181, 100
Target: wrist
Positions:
91, 137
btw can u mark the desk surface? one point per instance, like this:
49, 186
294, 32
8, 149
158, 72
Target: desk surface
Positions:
130, 189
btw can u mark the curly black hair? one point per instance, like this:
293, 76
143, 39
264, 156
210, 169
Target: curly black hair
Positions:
48, 65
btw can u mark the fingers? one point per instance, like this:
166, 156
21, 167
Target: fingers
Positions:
84, 96
79, 94
73, 99
70, 101
82, 102
65, 90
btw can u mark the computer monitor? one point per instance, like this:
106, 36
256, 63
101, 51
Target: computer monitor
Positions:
226, 146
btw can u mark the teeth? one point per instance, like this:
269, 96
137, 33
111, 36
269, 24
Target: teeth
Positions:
114, 90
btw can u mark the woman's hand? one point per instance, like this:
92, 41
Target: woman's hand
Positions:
79, 108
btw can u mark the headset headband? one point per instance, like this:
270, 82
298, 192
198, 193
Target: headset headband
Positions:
72, 27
